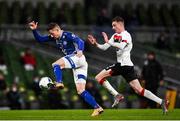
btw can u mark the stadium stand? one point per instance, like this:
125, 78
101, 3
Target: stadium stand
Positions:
53, 12
159, 15
142, 14
116, 10
175, 9
16, 12
4, 11
165, 15
27, 14
78, 16
41, 11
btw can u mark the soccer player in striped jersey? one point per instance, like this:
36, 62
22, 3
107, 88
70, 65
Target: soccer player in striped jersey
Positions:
72, 47
122, 41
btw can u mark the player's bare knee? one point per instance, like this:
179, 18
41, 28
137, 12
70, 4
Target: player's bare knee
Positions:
100, 80
97, 78
79, 91
55, 63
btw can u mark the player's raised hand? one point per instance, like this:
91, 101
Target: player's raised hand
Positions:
33, 25
92, 39
105, 37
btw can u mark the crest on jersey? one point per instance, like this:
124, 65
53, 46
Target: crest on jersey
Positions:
64, 43
117, 38
73, 35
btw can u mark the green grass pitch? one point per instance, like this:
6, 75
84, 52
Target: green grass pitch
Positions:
109, 114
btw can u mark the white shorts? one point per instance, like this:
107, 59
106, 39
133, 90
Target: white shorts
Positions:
79, 67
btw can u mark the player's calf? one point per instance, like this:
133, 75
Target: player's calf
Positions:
58, 75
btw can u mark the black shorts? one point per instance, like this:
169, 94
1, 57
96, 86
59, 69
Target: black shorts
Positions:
126, 71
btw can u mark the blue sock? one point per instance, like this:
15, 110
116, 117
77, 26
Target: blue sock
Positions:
89, 99
58, 73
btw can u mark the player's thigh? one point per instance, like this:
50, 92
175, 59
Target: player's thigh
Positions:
60, 62
72, 61
80, 74
81, 61
69, 61
112, 70
136, 85
103, 74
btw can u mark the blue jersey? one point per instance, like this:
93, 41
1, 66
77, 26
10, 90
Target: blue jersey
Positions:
69, 43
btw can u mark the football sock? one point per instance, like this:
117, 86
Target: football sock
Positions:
108, 86
89, 99
148, 94
58, 73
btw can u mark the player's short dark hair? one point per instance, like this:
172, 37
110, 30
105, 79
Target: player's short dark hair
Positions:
118, 19
151, 53
52, 26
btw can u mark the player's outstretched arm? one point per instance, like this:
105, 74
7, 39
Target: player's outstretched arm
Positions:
93, 41
120, 45
114, 44
33, 26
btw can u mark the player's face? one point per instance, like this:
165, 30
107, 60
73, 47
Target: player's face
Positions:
151, 57
117, 26
55, 33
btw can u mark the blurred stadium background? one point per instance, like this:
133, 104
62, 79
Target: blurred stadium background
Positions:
144, 19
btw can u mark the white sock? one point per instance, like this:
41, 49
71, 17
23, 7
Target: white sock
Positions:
108, 86
148, 94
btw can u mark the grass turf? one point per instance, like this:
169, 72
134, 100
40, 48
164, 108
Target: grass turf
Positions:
109, 114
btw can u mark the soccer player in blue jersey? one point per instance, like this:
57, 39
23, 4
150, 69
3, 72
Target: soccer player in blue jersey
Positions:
72, 47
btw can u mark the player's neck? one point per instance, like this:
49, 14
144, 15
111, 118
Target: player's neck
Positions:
60, 33
121, 31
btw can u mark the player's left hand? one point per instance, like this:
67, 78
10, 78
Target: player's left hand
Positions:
79, 54
33, 25
105, 37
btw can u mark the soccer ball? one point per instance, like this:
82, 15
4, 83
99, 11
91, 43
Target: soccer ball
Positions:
45, 82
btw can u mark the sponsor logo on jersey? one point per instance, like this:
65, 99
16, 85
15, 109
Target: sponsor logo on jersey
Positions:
117, 38
73, 35
64, 42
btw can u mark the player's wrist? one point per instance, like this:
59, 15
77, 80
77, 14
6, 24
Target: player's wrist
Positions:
109, 42
34, 29
96, 44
